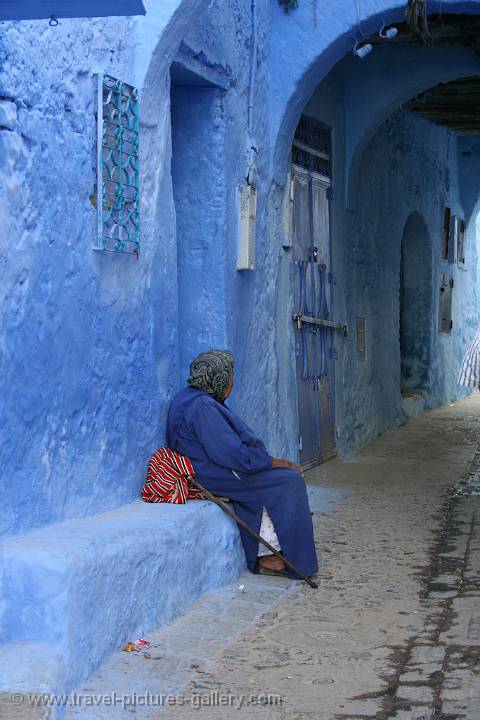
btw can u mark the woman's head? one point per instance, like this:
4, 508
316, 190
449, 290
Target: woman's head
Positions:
212, 372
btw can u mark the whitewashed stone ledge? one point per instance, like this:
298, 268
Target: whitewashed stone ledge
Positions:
79, 590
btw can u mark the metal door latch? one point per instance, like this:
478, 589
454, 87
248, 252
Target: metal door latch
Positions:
299, 319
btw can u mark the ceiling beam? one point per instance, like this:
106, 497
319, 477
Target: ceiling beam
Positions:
455, 105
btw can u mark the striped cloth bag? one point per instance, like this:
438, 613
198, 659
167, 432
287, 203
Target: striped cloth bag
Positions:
167, 479
469, 375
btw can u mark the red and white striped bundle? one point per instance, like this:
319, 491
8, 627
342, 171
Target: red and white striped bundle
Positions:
167, 479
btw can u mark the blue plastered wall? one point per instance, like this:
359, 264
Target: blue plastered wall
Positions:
91, 352
416, 166
89, 342
408, 167
75, 328
93, 347
302, 52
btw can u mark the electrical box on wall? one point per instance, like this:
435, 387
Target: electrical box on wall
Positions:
247, 226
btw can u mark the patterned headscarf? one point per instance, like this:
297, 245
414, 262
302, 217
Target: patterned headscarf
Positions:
211, 372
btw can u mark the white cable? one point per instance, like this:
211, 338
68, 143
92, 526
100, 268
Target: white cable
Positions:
358, 19
253, 65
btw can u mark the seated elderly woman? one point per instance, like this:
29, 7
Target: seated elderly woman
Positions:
231, 462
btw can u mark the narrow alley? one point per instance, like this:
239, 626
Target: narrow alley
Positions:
239, 247
393, 630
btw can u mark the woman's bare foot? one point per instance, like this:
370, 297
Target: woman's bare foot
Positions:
271, 562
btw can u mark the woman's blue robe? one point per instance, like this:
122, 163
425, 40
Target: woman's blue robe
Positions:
231, 462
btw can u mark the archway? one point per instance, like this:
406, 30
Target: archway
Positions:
367, 237
300, 54
310, 57
416, 302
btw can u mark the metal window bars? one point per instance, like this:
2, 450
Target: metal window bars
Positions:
118, 167
311, 147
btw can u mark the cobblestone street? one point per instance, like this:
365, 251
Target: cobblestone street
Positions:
394, 629
393, 632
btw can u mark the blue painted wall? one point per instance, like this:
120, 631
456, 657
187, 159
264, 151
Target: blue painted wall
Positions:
91, 351
416, 165
198, 178
417, 321
76, 331
408, 168
93, 347
299, 58
89, 343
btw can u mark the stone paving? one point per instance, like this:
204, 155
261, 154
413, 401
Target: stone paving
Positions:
394, 630
392, 633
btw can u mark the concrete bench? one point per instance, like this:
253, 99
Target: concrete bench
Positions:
76, 591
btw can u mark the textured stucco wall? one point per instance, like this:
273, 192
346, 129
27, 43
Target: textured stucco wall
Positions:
75, 330
410, 167
90, 346
376, 86
303, 47
89, 349
414, 167
198, 175
90, 343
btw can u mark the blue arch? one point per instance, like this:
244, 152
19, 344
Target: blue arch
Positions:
308, 56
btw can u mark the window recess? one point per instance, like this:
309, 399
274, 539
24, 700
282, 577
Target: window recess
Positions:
118, 167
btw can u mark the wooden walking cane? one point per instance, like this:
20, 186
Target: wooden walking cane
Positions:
252, 532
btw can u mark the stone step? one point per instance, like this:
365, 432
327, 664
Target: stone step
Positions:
83, 588
78, 591
141, 684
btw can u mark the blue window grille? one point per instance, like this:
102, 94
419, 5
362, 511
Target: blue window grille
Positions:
118, 167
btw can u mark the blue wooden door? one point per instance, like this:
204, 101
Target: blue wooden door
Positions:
314, 339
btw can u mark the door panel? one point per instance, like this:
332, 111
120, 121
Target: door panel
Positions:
321, 220
312, 297
301, 210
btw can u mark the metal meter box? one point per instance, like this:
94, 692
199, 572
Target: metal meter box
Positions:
247, 221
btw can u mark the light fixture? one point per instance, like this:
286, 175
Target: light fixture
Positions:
366, 48
362, 50
388, 34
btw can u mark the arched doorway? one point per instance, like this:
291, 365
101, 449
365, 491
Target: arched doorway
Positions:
416, 300
377, 182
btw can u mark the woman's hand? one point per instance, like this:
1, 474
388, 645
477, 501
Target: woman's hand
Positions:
277, 462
